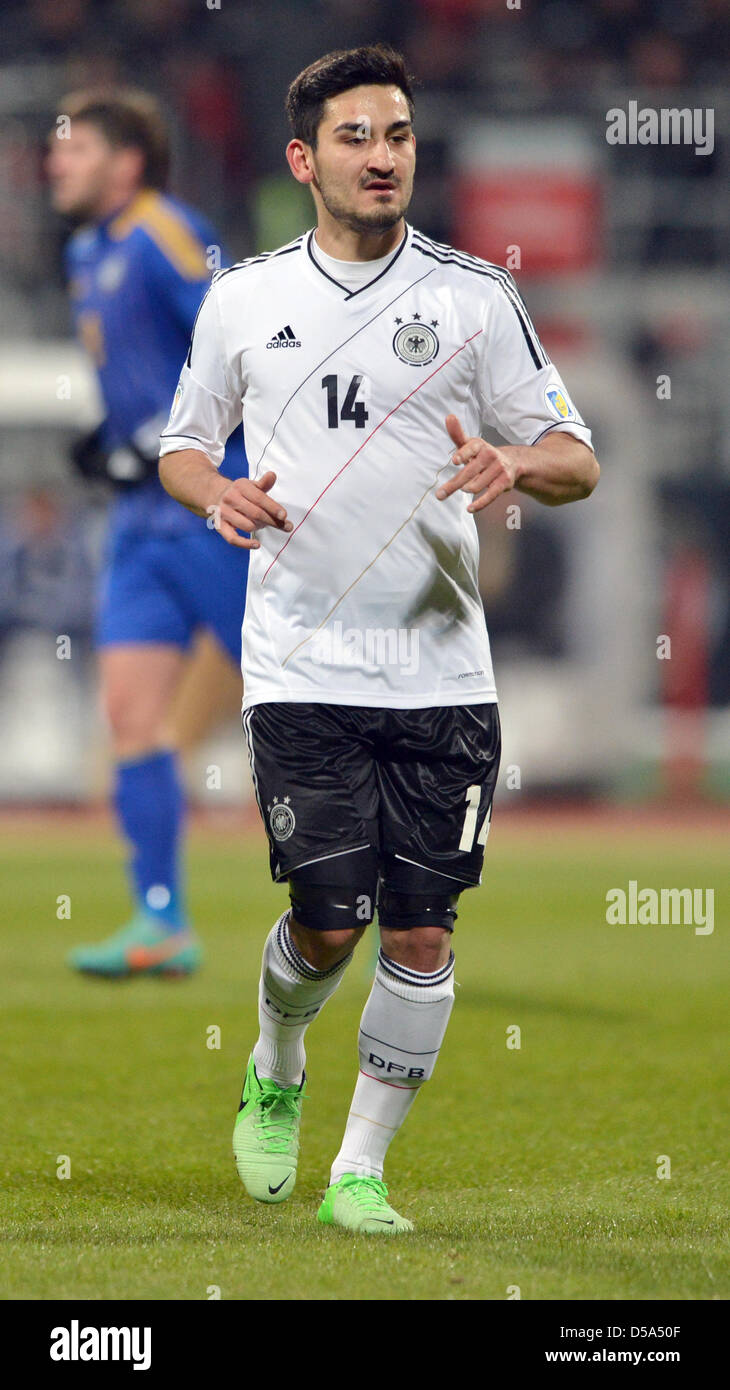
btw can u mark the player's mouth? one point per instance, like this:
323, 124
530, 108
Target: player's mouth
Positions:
381, 186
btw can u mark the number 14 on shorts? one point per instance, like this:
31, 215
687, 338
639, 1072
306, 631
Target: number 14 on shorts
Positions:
473, 797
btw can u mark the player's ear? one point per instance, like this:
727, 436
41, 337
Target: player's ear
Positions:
130, 162
299, 160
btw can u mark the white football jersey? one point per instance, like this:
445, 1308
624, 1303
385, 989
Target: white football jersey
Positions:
372, 598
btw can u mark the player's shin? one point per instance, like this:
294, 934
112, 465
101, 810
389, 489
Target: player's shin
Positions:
401, 1031
291, 994
150, 807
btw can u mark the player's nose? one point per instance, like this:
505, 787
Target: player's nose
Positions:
380, 160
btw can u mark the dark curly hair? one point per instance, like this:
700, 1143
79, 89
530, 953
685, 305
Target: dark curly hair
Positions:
375, 64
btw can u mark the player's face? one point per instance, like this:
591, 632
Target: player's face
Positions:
365, 157
81, 169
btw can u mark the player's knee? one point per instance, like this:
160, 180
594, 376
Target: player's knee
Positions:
425, 949
132, 723
323, 949
331, 907
328, 918
121, 714
416, 927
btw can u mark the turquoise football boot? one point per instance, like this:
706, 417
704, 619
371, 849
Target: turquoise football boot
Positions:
142, 947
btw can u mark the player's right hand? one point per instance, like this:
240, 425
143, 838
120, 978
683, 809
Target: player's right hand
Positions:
244, 505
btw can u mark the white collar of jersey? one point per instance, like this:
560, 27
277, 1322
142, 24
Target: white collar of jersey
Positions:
352, 276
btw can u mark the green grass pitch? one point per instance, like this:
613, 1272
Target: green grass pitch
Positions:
532, 1169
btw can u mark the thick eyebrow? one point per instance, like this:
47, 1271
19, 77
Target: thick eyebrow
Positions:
358, 125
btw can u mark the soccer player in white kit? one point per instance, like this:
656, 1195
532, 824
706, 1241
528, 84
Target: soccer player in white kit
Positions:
366, 358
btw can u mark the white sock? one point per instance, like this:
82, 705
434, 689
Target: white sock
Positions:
401, 1032
291, 994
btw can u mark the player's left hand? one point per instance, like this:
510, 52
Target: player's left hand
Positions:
482, 468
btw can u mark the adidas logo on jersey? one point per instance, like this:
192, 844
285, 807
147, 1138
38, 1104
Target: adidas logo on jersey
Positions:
286, 337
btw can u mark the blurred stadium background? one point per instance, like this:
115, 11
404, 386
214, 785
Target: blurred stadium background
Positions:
618, 250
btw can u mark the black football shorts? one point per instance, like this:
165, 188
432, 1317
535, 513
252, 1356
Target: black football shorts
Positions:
416, 785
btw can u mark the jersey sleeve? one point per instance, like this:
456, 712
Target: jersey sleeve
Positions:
521, 393
181, 296
207, 404
174, 255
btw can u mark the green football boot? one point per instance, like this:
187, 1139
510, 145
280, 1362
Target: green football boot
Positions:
359, 1204
142, 947
266, 1136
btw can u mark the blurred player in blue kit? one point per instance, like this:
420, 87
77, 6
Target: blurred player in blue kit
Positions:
138, 265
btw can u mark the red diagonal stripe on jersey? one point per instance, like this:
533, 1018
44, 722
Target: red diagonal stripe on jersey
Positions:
341, 470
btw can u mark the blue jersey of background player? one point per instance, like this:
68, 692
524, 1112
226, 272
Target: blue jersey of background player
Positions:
138, 266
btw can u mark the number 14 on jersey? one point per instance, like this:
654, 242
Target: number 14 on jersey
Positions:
352, 408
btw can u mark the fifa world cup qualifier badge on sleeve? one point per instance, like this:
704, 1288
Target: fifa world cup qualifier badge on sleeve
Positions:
281, 818
558, 403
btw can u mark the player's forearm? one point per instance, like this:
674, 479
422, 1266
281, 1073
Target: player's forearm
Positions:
190, 477
560, 469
